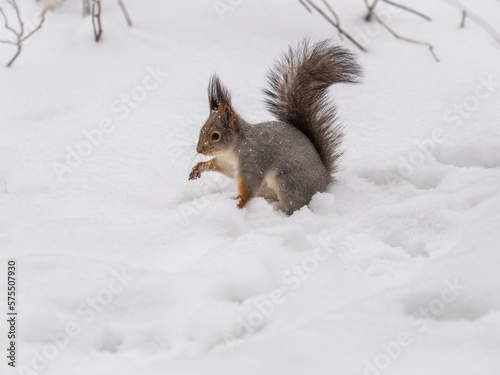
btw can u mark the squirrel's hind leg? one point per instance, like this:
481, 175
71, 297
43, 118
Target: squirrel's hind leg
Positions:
292, 194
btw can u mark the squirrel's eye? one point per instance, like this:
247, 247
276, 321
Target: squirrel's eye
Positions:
215, 136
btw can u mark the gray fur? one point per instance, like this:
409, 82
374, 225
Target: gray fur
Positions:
297, 154
298, 93
276, 146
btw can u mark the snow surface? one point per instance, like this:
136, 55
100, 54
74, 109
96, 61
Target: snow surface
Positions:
395, 270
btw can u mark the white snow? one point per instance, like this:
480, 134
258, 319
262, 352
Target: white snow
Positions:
132, 269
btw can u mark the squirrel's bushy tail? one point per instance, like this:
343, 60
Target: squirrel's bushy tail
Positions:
298, 93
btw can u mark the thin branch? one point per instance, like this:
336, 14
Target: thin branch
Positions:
337, 26
19, 35
18, 52
464, 16
125, 13
7, 26
368, 16
396, 35
85, 8
408, 9
305, 6
477, 19
49, 4
18, 15
334, 15
96, 19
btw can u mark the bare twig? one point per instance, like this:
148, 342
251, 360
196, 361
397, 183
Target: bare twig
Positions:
464, 16
8, 27
19, 36
18, 15
305, 6
408, 9
49, 4
368, 16
474, 17
96, 19
334, 15
85, 8
336, 25
125, 13
396, 35
18, 52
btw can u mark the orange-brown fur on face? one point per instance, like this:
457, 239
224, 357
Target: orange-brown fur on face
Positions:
223, 121
219, 134
228, 115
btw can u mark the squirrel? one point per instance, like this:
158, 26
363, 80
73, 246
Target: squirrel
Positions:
291, 159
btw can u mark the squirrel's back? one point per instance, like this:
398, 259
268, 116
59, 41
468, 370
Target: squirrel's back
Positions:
298, 93
291, 159
278, 161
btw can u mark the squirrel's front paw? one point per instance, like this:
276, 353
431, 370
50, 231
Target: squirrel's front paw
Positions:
195, 173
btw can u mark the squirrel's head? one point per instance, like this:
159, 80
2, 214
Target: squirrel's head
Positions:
222, 126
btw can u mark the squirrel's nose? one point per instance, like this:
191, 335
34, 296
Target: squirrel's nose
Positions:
198, 149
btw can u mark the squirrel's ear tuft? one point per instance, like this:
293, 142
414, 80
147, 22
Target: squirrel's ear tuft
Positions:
219, 100
218, 94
